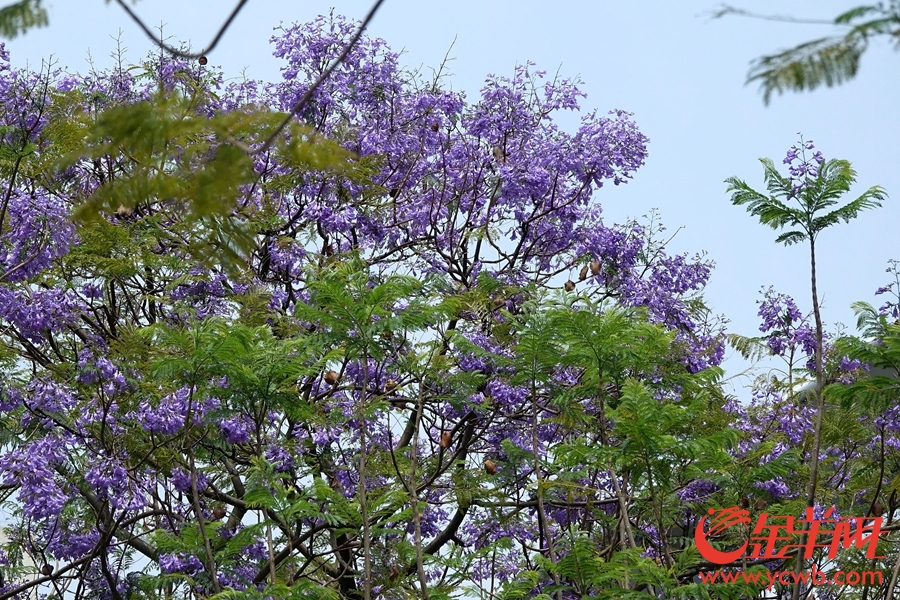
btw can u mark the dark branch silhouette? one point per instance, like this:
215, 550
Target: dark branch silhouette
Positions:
727, 10
298, 106
180, 53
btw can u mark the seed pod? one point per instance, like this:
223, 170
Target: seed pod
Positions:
583, 275
46, 570
570, 286
877, 509
435, 126
446, 439
218, 513
401, 405
745, 502
500, 155
760, 504
387, 335
394, 192
390, 385
595, 267
395, 573
490, 467
331, 377
202, 60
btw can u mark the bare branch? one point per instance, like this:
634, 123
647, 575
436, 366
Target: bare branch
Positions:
727, 10
179, 53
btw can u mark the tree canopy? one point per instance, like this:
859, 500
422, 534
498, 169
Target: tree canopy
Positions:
391, 350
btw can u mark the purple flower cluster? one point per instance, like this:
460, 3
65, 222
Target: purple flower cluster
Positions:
143, 369
180, 563
237, 429
804, 168
787, 328
30, 470
892, 306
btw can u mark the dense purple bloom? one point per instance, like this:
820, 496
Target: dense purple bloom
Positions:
237, 429
146, 369
30, 470
788, 331
180, 563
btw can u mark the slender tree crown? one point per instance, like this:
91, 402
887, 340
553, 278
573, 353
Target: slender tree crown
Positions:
815, 185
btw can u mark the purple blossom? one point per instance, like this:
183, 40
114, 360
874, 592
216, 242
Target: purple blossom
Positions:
167, 417
30, 470
698, 491
804, 169
180, 563
181, 480
237, 429
786, 326
891, 307
279, 457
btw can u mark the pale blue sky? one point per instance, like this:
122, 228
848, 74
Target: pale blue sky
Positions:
680, 72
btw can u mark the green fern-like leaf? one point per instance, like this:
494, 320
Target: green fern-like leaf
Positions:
17, 18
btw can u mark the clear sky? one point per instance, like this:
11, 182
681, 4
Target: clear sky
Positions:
679, 71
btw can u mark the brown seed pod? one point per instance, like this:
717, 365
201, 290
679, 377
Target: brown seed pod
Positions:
202, 60
394, 192
760, 504
877, 509
595, 267
570, 286
401, 405
331, 377
745, 502
46, 570
218, 513
435, 126
387, 335
446, 439
390, 385
490, 467
395, 573
583, 275
500, 155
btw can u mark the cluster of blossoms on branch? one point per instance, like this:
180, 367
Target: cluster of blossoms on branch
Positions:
126, 443
803, 169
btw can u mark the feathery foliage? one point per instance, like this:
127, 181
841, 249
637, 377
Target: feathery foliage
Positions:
827, 61
19, 17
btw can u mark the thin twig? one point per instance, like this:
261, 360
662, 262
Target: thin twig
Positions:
731, 10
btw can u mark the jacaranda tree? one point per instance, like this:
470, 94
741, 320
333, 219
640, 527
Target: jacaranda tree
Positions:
329, 366
391, 350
